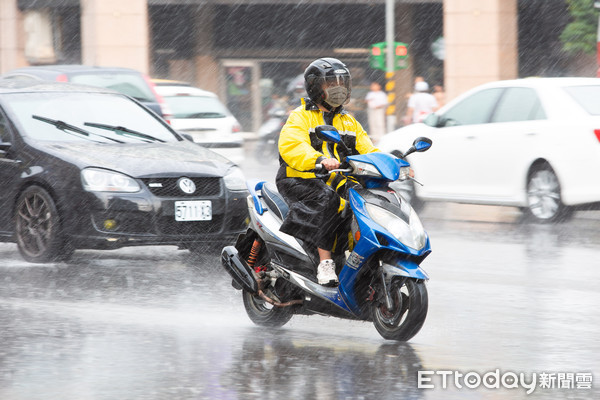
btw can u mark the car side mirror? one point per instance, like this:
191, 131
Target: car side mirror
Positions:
4, 146
186, 136
433, 120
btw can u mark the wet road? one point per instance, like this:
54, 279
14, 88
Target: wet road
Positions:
154, 323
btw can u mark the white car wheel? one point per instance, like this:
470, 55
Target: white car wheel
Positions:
543, 195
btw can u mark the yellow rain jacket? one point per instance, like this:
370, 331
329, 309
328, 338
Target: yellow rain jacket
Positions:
300, 150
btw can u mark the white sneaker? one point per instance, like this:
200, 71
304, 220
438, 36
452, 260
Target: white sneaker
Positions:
326, 273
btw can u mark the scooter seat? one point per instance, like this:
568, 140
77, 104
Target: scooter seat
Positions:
274, 200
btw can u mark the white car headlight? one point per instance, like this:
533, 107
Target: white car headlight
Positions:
411, 234
235, 179
103, 180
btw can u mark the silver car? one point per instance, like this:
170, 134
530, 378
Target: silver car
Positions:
201, 115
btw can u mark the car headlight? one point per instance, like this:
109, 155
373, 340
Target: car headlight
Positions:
364, 169
103, 180
411, 234
235, 179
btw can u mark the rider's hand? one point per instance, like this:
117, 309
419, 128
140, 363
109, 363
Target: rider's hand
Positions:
330, 163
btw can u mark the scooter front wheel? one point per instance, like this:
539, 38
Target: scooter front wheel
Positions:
264, 314
408, 312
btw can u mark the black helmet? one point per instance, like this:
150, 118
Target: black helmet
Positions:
327, 70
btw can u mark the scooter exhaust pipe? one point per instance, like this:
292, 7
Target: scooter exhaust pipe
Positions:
239, 270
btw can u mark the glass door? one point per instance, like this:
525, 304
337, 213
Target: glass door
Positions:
243, 93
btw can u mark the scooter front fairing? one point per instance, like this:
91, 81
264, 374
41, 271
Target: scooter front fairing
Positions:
398, 259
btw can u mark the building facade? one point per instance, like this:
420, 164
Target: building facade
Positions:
248, 51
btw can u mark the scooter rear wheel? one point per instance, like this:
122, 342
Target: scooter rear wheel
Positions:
408, 312
264, 314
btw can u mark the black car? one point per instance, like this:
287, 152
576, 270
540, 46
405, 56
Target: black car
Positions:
125, 80
84, 167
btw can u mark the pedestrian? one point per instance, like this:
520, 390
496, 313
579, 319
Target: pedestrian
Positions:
377, 103
316, 205
440, 96
420, 104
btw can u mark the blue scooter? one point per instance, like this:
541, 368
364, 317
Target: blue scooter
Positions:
380, 279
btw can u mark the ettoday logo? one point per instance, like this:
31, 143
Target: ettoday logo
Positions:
508, 380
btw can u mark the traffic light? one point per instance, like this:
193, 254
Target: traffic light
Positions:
401, 55
377, 60
378, 55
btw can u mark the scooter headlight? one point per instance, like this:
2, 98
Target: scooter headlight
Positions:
412, 234
405, 173
364, 169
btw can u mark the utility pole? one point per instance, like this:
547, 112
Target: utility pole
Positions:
597, 6
389, 74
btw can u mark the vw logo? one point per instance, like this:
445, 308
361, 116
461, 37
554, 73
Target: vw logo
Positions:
186, 185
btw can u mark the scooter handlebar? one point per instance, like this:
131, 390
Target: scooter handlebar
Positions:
321, 172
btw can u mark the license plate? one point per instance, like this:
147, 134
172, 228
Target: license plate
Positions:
198, 210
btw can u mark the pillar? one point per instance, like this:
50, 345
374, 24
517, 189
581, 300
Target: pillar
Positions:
115, 33
481, 43
403, 77
11, 38
207, 66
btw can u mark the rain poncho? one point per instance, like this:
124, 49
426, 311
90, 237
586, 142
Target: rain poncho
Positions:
316, 204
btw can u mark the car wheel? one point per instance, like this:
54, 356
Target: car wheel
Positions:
544, 202
37, 227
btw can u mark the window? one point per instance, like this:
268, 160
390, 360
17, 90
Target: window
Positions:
587, 97
132, 85
475, 109
4, 132
76, 109
192, 107
519, 104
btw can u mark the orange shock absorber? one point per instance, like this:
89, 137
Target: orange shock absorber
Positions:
254, 255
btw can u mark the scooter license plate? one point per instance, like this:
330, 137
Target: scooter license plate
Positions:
197, 210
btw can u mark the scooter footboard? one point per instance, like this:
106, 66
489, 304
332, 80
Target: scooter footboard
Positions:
404, 268
239, 270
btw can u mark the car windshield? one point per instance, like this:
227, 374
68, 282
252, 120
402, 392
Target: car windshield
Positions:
32, 111
129, 84
191, 107
588, 97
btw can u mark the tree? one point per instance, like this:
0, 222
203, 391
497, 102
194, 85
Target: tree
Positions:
580, 35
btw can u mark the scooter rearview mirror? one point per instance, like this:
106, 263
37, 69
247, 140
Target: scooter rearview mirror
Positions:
419, 145
422, 144
328, 133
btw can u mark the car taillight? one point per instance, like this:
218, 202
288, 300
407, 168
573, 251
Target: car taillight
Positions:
164, 107
597, 132
166, 111
62, 78
236, 128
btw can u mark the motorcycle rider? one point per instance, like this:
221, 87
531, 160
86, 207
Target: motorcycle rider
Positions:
317, 204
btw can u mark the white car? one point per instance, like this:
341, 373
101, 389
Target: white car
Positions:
531, 143
201, 115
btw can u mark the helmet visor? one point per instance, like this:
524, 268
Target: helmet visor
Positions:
336, 89
337, 80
